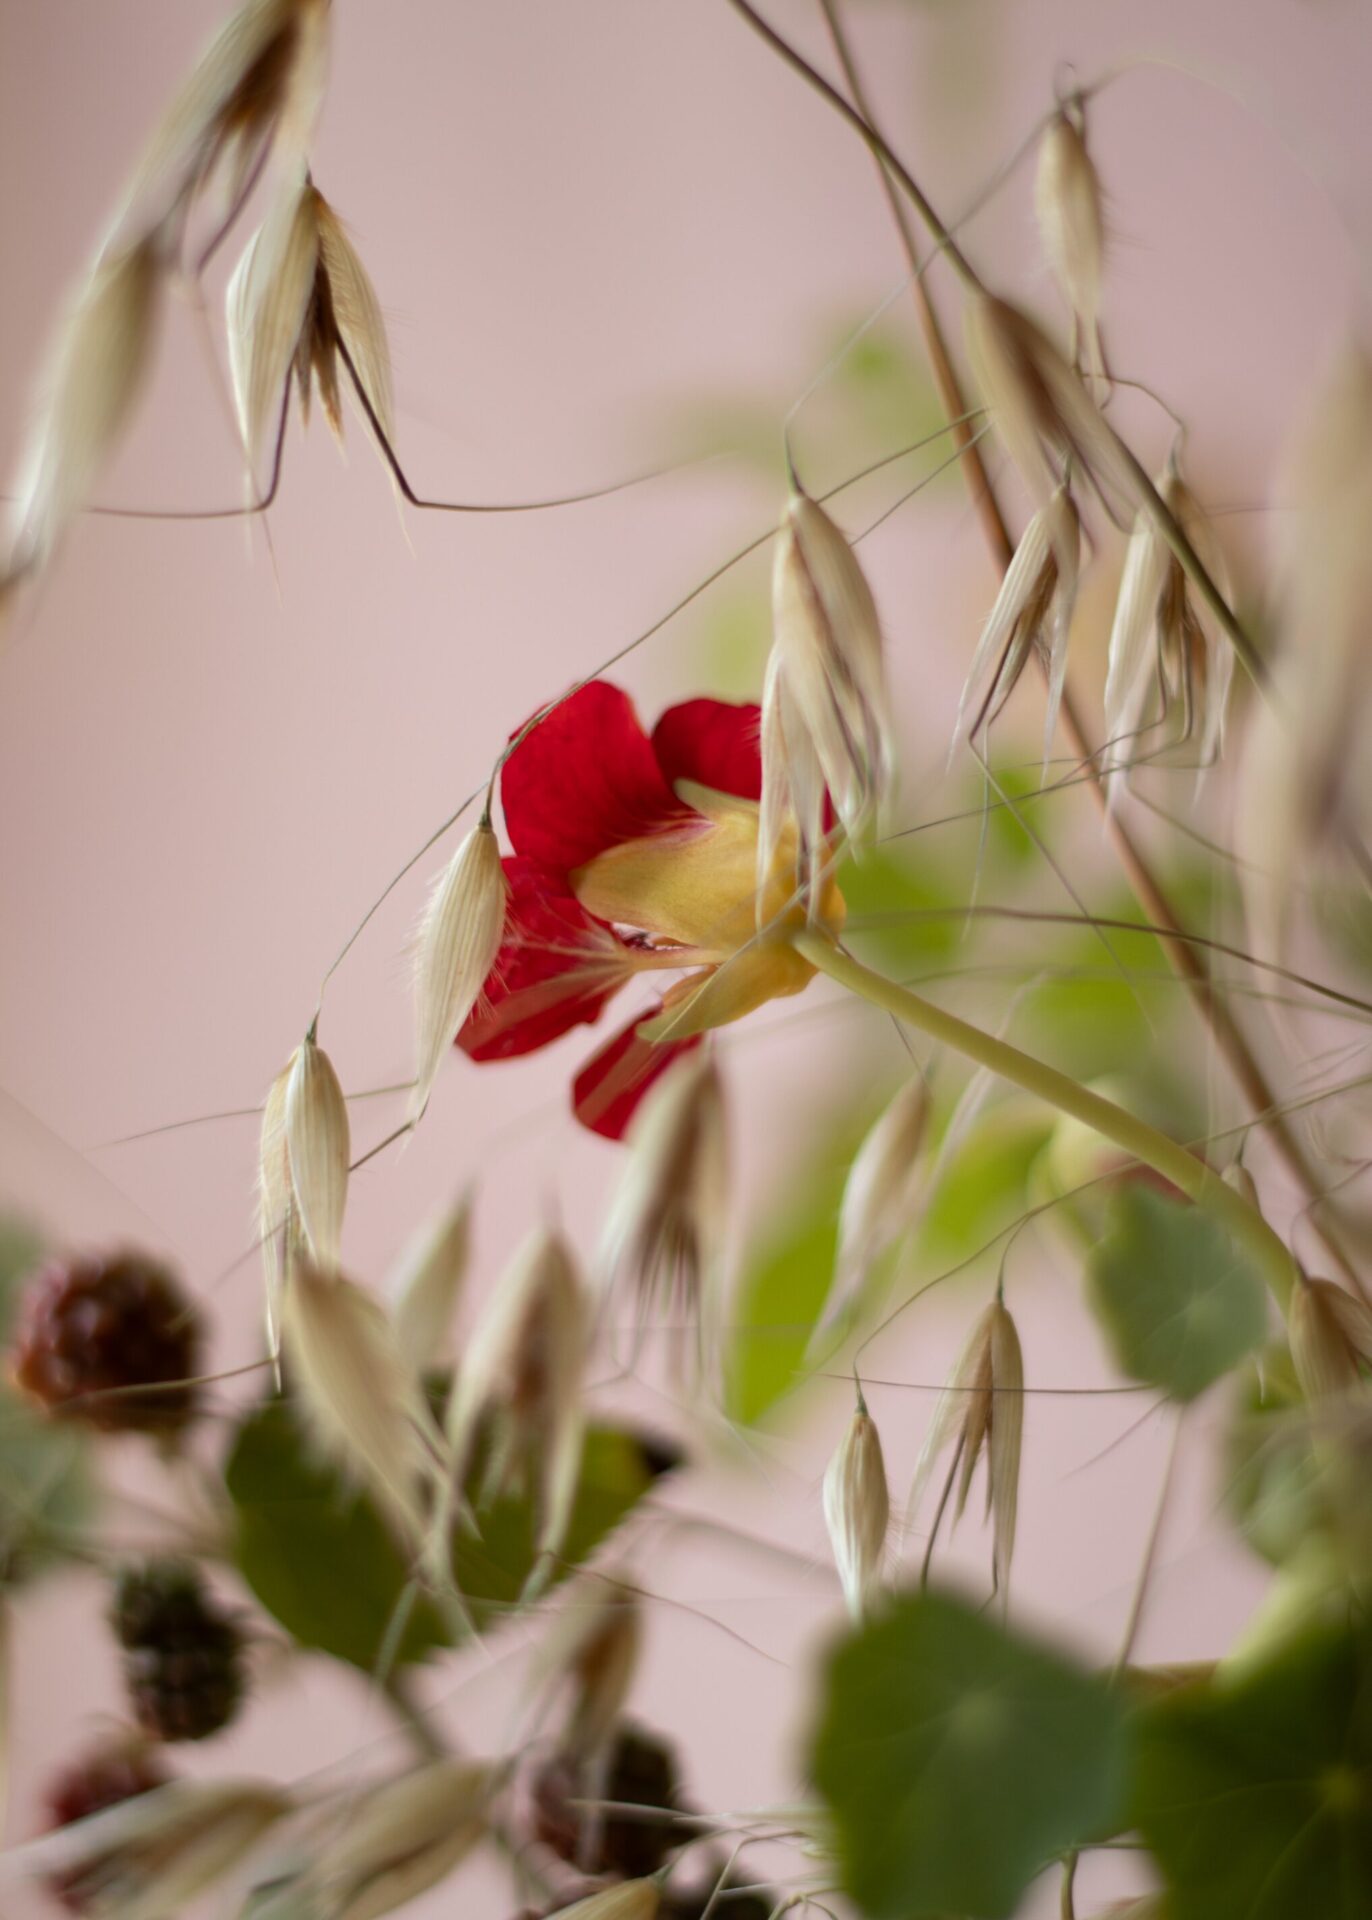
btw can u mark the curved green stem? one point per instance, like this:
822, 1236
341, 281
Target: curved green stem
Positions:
1135, 1137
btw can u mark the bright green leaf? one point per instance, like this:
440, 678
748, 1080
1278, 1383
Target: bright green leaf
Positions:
1255, 1793
957, 1759
1180, 1302
321, 1560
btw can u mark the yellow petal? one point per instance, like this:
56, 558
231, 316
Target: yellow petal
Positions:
769, 970
692, 884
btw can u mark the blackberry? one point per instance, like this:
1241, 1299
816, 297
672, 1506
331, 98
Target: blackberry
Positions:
641, 1772
183, 1656
90, 1329
102, 1779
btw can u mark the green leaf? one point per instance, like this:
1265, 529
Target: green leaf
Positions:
1255, 1793
780, 1299
957, 1759
1180, 1302
984, 1186
46, 1491
1272, 1484
320, 1559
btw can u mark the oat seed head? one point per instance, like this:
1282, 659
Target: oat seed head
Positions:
276, 1222
1163, 636
594, 1645
983, 1406
1330, 1332
147, 1858
459, 939
1067, 198
828, 643
1039, 404
1309, 779
95, 372
666, 1223
427, 1285
629, 1900
364, 1403
260, 80
857, 1510
884, 1191
1033, 611
319, 1147
268, 306
524, 1366
398, 1840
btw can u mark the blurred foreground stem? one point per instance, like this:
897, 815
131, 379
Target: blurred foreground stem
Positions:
1133, 1136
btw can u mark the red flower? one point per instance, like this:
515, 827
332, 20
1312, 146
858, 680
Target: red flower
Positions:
634, 854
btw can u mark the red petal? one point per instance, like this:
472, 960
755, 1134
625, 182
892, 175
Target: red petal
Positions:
613, 1081
713, 743
585, 779
544, 981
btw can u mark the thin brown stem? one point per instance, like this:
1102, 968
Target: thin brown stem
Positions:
1185, 958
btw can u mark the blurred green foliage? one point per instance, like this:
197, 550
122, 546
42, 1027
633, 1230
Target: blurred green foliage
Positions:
1180, 1302
1253, 1790
323, 1563
957, 1759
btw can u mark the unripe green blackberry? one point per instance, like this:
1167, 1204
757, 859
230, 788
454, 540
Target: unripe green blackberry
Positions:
92, 1329
183, 1657
642, 1772
101, 1779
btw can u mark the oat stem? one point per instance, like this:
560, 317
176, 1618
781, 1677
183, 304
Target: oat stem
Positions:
1182, 951
1133, 1136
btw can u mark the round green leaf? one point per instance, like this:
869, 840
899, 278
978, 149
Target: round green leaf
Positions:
1255, 1793
1180, 1302
957, 1759
320, 1559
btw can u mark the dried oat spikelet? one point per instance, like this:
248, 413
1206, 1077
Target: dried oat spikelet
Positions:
259, 81
428, 1284
1033, 610
1067, 198
149, 1857
983, 1407
857, 1509
1163, 636
396, 1841
278, 1228
362, 1400
629, 1900
459, 939
883, 1193
319, 1148
1039, 403
1330, 1332
522, 1373
666, 1222
594, 1645
96, 370
1309, 777
299, 300
830, 708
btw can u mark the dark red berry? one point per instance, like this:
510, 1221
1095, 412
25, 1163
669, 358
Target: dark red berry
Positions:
183, 1656
642, 1773
91, 1329
103, 1779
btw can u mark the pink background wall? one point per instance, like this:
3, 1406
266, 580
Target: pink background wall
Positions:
584, 221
